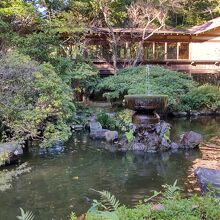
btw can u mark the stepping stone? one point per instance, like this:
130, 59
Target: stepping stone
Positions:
206, 177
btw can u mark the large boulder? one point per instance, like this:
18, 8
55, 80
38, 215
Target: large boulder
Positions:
136, 146
190, 139
174, 146
162, 127
153, 143
206, 178
111, 136
76, 127
150, 138
56, 148
96, 130
10, 151
94, 126
99, 134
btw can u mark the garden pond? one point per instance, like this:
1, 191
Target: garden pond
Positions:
60, 184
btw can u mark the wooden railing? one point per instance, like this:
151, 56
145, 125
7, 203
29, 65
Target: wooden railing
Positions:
188, 66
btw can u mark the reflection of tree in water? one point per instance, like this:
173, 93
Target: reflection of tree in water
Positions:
153, 170
60, 184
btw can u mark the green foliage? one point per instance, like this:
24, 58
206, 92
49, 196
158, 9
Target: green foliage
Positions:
35, 102
28, 215
18, 7
133, 81
124, 118
170, 207
119, 121
192, 13
39, 46
170, 190
105, 208
4, 157
167, 134
108, 201
83, 76
106, 121
21, 16
155, 194
117, 12
73, 216
203, 97
6, 35
212, 190
129, 135
102, 215
193, 208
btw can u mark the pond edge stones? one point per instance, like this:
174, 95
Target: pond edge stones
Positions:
11, 151
149, 138
207, 178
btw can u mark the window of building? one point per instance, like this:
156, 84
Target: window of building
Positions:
106, 52
159, 50
95, 51
184, 51
133, 49
148, 51
121, 52
172, 51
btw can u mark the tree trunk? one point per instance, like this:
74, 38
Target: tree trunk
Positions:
114, 41
141, 43
138, 53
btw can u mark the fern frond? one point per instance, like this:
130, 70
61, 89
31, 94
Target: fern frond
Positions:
170, 190
73, 216
108, 201
28, 215
156, 193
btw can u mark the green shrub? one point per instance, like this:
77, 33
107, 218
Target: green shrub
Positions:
39, 46
106, 121
202, 97
162, 81
34, 101
174, 207
124, 118
194, 208
119, 121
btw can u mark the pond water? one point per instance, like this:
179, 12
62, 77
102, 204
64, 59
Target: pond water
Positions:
59, 184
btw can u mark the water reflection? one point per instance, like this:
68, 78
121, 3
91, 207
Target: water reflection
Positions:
207, 126
58, 185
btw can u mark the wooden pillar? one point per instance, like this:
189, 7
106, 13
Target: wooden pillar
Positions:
178, 49
165, 51
127, 51
190, 48
153, 50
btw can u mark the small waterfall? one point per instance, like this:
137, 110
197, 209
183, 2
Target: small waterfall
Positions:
148, 92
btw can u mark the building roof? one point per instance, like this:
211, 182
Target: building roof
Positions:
139, 31
198, 29
214, 23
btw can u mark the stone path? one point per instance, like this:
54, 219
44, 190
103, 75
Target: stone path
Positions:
210, 159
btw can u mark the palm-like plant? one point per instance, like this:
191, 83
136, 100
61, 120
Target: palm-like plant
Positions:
25, 215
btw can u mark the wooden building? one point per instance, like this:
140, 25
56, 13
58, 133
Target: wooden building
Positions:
195, 50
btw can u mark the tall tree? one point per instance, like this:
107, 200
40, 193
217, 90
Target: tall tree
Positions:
149, 15
194, 12
109, 14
